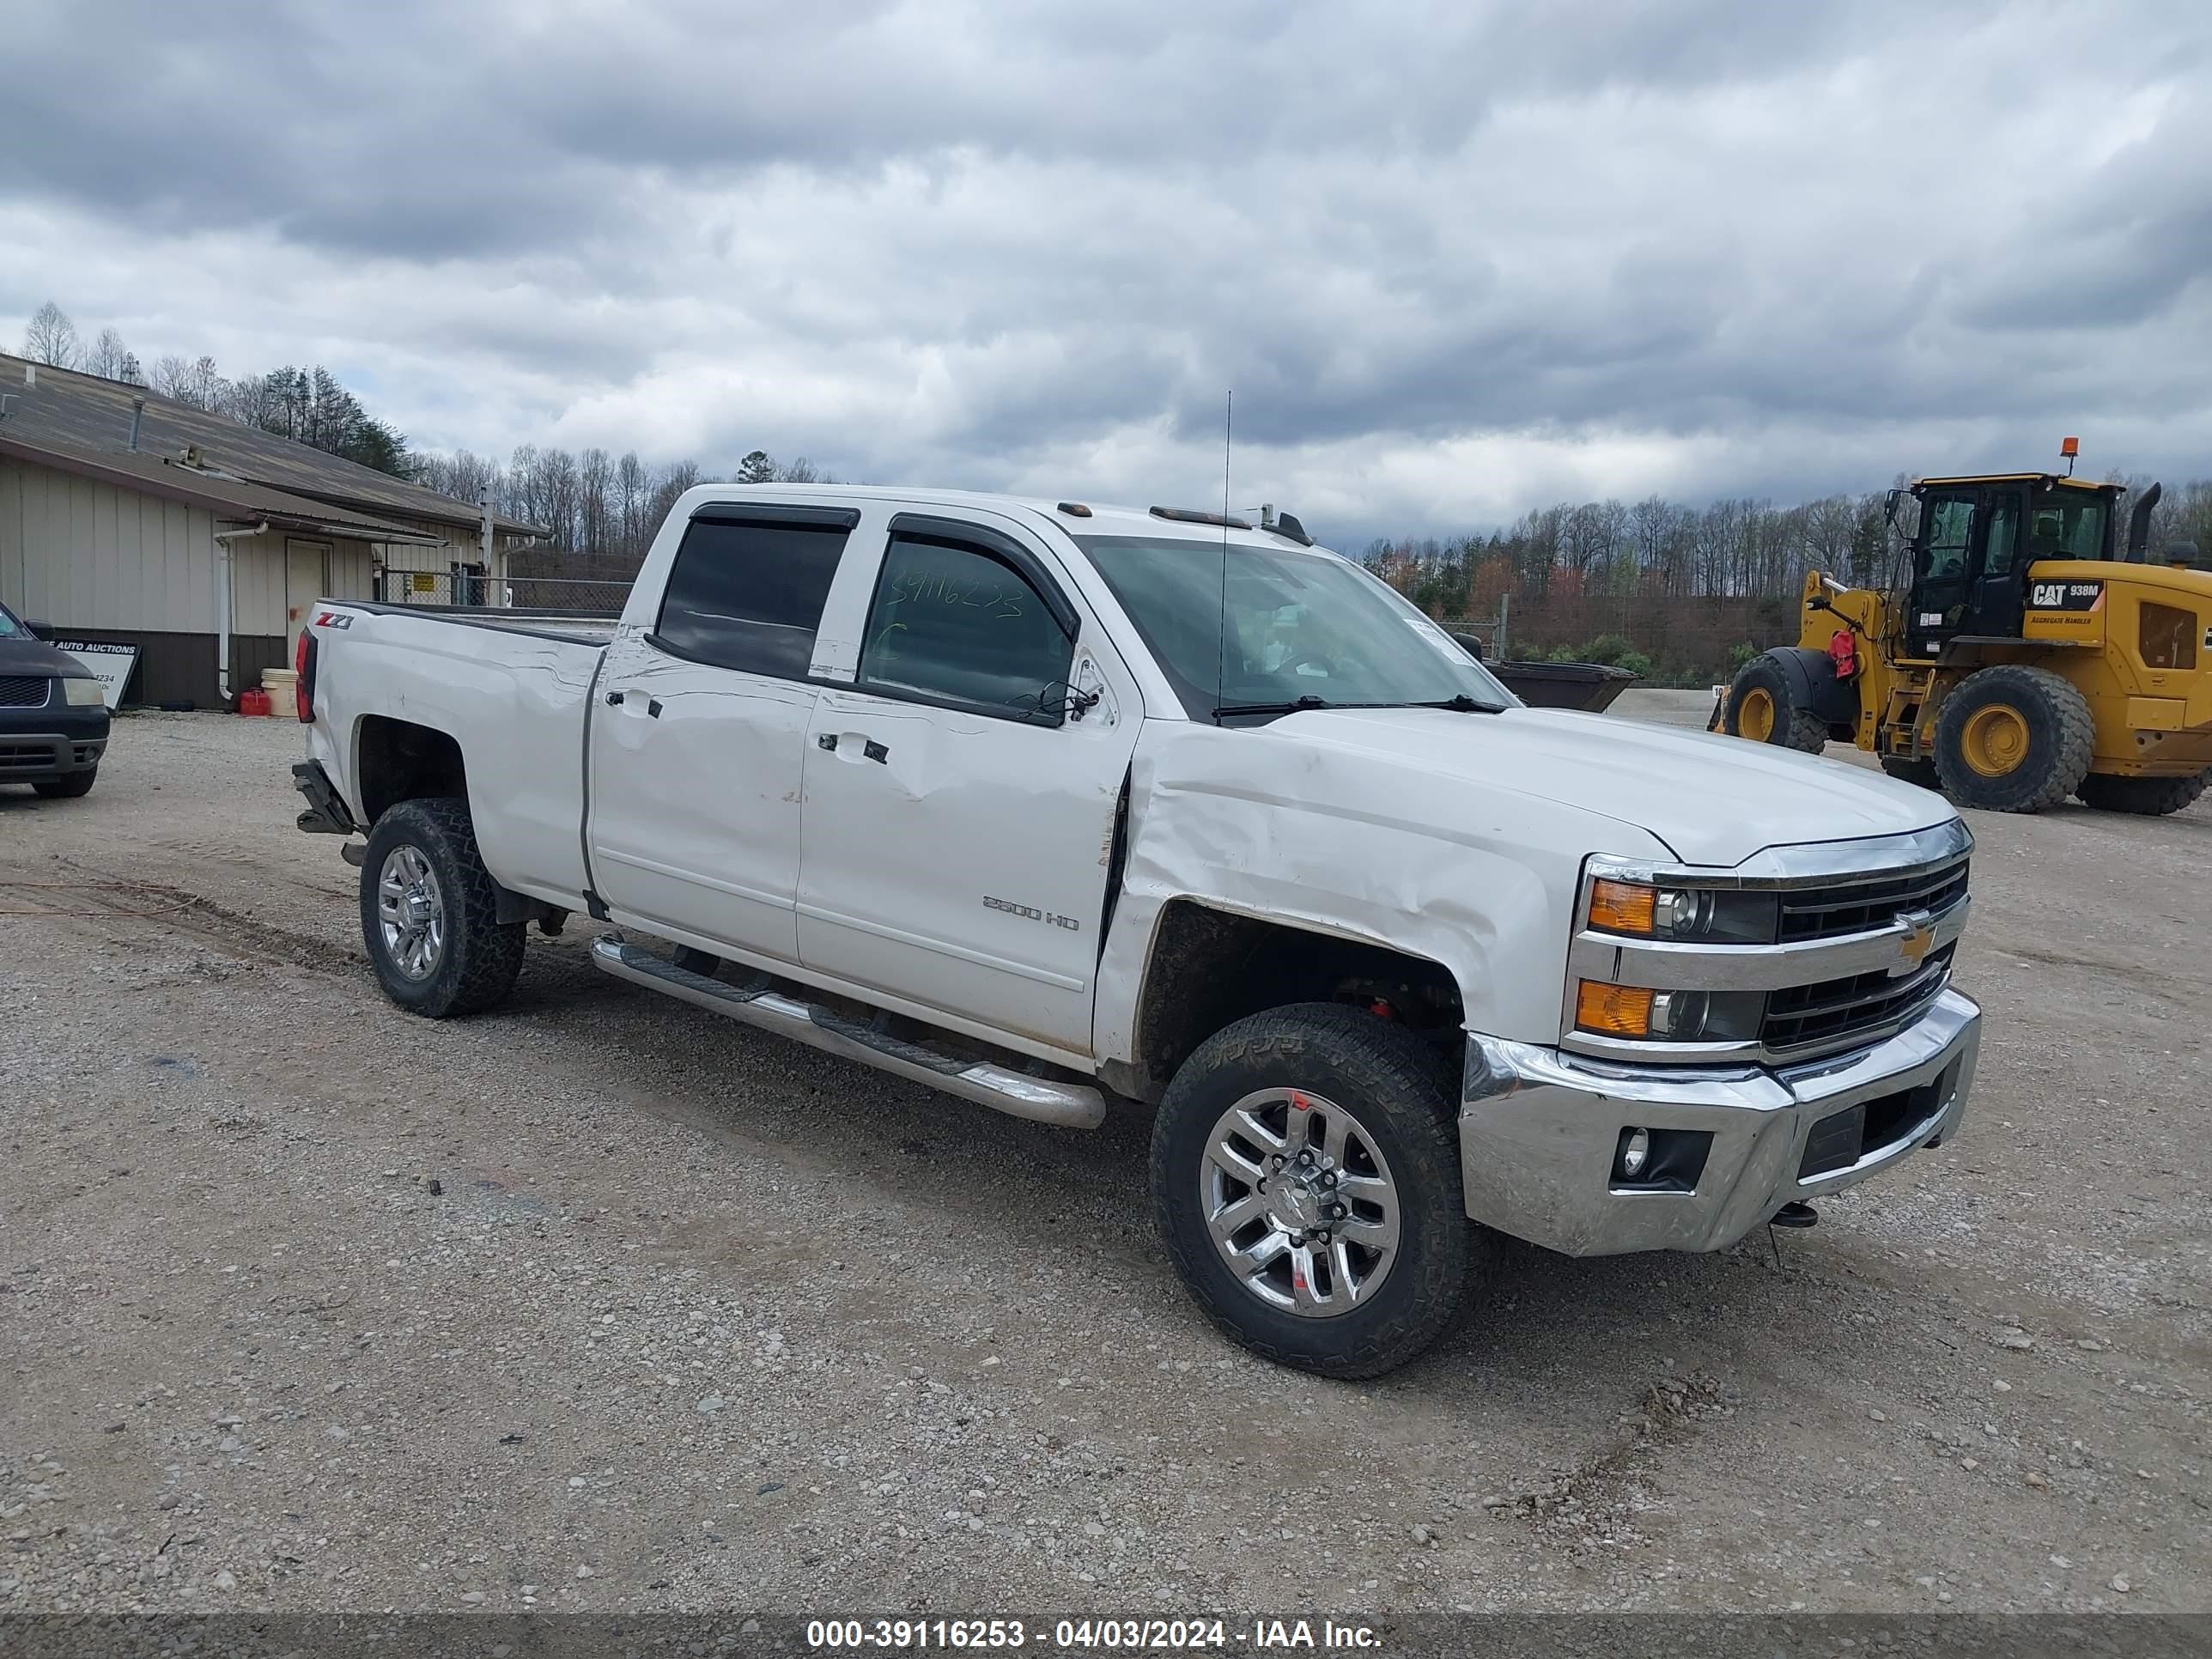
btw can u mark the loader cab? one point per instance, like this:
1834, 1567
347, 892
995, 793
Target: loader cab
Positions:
1976, 540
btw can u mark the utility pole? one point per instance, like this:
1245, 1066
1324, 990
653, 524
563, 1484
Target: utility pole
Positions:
490, 574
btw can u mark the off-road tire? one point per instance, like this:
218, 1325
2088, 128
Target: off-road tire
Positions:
2152, 797
2061, 737
1921, 773
1398, 1087
69, 786
482, 955
1793, 727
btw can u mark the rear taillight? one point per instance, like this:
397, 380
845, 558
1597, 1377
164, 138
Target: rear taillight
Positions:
303, 665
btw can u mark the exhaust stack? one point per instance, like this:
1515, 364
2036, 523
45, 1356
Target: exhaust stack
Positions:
2139, 524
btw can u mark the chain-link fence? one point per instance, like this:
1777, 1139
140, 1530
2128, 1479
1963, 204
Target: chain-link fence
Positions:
467, 588
1489, 632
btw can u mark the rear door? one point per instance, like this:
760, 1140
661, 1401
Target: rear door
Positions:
962, 792
306, 578
698, 738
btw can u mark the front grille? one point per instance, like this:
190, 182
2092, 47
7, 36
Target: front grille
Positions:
25, 757
25, 690
1835, 1009
1859, 906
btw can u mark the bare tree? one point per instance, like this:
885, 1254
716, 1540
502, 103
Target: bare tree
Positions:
108, 356
51, 337
195, 383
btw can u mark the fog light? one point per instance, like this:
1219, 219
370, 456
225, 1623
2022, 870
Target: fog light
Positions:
1635, 1152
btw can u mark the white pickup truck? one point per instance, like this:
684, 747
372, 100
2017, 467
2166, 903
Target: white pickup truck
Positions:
1039, 803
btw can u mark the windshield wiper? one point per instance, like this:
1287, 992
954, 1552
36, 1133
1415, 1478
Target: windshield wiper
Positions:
1461, 704
1308, 701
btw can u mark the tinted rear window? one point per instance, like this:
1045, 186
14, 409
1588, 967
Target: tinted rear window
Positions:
749, 596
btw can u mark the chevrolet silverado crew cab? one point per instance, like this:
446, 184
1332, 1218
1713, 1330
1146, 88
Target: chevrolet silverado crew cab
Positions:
1038, 803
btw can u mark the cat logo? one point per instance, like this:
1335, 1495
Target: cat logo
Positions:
2064, 596
1918, 940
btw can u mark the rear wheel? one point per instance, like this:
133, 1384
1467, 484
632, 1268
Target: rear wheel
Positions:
2013, 739
2153, 797
1306, 1179
1920, 772
429, 913
69, 786
1759, 707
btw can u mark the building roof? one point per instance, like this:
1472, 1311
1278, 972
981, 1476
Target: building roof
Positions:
87, 417
228, 498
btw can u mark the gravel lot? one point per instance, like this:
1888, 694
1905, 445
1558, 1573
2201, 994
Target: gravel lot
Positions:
602, 1303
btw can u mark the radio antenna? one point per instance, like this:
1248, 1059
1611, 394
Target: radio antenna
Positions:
1221, 625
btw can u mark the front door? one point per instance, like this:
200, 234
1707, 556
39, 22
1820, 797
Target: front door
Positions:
1997, 597
962, 794
698, 733
1950, 522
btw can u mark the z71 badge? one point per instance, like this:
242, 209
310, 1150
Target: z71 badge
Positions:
2064, 596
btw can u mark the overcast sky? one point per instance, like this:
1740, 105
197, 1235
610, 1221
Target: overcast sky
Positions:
1457, 260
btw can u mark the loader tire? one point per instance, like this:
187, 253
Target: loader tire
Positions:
2013, 739
1919, 772
2152, 797
1271, 1097
1760, 709
422, 866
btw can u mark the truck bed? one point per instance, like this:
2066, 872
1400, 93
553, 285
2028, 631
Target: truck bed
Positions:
584, 628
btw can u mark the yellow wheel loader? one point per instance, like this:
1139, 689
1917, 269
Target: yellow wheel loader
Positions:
2026, 656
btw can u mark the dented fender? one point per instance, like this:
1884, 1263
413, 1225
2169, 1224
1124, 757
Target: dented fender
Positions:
1469, 872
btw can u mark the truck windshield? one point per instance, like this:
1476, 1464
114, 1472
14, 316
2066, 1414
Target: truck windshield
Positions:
1300, 628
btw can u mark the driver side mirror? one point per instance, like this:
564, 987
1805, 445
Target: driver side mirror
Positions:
1468, 643
39, 631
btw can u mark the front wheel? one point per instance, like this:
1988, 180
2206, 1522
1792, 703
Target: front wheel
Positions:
69, 786
1758, 706
1306, 1182
429, 910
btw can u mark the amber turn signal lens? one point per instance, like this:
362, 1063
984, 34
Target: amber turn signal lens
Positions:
1622, 907
1623, 1010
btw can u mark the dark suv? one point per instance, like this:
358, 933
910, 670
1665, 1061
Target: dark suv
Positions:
53, 718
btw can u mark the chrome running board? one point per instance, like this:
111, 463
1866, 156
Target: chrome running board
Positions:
1041, 1100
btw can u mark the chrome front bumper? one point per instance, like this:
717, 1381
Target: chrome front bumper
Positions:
1539, 1130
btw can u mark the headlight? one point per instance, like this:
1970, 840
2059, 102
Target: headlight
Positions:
1637, 1012
82, 692
1719, 915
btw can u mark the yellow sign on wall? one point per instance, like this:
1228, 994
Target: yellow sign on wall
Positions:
423, 581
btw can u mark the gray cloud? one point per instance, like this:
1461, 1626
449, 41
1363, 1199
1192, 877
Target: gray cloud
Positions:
1452, 258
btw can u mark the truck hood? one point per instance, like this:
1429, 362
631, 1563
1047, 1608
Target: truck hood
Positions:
21, 654
1714, 801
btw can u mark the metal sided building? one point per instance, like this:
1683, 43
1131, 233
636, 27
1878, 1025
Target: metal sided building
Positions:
129, 518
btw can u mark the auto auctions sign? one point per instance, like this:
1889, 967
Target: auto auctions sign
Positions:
111, 665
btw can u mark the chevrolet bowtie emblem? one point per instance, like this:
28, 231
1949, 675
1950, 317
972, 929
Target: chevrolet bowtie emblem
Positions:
1918, 938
